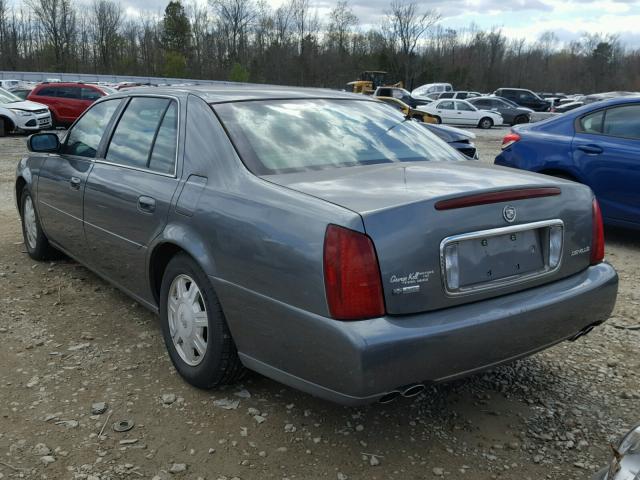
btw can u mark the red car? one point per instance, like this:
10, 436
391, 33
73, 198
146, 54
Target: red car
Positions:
67, 101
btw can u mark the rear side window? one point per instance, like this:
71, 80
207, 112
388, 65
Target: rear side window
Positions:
592, 123
84, 137
68, 92
446, 105
163, 155
623, 122
133, 140
89, 94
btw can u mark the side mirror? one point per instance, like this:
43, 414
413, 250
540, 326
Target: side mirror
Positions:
43, 142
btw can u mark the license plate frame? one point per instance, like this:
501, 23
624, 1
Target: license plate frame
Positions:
44, 121
550, 235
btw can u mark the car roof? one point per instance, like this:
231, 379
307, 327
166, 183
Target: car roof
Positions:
233, 92
66, 84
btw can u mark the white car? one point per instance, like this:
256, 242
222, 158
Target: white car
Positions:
10, 84
461, 112
431, 90
21, 115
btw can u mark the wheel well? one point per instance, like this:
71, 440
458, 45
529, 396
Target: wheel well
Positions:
8, 124
20, 184
160, 258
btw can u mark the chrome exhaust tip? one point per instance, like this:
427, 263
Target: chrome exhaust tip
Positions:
389, 397
582, 333
413, 390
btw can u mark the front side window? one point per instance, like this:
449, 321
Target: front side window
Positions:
284, 136
84, 137
47, 92
623, 122
464, 106
134, 137
446, 95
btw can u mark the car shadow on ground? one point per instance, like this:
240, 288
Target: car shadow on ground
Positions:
624, 237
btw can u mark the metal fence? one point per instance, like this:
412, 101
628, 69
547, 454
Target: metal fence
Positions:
90, 77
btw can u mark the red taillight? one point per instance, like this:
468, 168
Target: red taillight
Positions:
509, 140
351, 275
597, 242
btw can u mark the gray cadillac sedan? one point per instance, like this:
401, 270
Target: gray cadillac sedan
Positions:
317, 237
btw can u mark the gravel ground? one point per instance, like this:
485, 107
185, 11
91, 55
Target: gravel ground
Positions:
71, 342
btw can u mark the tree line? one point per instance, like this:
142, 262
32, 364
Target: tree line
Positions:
247, 40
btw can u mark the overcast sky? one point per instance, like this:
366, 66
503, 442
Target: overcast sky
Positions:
517, 18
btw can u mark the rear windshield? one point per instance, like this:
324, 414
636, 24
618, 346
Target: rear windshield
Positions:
286, 136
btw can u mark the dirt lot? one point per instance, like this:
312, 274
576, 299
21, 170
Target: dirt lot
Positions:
71, 340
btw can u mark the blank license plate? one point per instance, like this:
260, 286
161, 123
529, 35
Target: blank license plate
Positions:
490, 258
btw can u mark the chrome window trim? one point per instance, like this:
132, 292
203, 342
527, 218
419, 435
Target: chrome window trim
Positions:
506, 281
148, 170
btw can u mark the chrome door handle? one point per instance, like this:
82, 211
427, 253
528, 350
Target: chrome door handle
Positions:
146, 204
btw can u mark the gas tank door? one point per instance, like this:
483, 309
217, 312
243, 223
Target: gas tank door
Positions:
190, 194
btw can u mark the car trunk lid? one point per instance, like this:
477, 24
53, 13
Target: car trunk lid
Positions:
417, 212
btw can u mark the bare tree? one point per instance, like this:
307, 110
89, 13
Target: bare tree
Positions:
58, 20
235, 17
407, 28
108, 16
341, 22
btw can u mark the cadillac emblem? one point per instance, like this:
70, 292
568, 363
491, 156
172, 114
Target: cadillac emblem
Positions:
509, 213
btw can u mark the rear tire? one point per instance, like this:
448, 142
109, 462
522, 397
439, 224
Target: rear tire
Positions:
485, 123
194, 328
3, 127
521, 119
35, 240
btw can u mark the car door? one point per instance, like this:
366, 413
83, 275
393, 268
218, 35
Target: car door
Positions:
606, 150
62, 179
129, 192
68, 99
503, 108
466, 114
446, 111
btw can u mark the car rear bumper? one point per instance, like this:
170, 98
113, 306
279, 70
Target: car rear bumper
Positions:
360, 362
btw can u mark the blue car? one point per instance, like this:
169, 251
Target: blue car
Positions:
597, 144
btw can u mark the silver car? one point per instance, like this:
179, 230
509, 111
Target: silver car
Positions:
317, 237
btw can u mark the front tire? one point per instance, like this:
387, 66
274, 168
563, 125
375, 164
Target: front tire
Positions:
485, 123
438, 120
35, 240
194, 327
521, 119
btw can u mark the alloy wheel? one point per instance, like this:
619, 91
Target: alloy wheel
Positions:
188, 319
